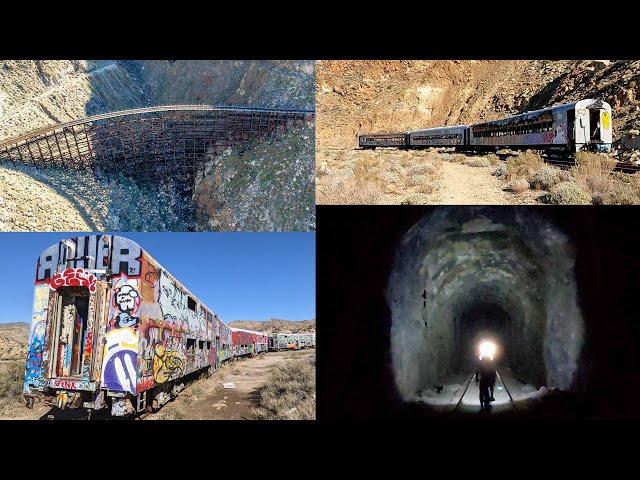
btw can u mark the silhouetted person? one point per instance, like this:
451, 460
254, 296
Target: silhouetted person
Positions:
486, 376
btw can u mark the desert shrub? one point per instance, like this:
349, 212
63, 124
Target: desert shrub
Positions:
289, 392
518, 185
415, 198
619, 193
457, 158
501, 170
349, 191
391, 177
545, 178
422, 169
367, 169
426, 188
523, 165
415, 180
478, 162
11, 380
594, 170
493, 159
569, 193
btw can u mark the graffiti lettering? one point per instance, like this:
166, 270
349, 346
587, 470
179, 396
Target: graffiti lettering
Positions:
167, 364
73, 277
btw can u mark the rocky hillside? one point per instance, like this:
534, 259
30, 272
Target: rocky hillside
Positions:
276, 325
13, 340
359, 96
269, 186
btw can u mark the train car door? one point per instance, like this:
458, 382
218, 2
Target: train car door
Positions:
70, 322
72, 331
101, 319
582, 125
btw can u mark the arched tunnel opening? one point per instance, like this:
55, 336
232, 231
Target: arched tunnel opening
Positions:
463, 275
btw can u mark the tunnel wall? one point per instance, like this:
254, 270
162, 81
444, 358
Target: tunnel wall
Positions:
457, 257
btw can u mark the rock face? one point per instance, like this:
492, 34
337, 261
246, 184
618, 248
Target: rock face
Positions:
241, 82
358, 96
462, 273
268, 186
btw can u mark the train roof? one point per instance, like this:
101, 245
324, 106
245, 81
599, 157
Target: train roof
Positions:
234, 329
534, 114
447, 127
381, 134
151, 258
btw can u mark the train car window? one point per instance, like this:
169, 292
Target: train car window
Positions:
208, 345
191, 303
191, 343
123, 267
201, 344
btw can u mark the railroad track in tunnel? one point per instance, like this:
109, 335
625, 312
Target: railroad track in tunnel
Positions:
151, 142
512, 402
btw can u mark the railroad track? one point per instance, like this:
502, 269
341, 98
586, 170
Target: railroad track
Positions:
156, 109
512, 402
568, 162
150, 142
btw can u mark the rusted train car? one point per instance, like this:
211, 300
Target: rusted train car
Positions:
248, 342
111, 328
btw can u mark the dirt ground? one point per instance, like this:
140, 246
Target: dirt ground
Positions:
462, 184
207, 399
454, 182
202, 399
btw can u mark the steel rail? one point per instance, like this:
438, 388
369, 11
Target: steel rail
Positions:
156, 109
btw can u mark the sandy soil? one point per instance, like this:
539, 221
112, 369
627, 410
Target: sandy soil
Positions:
464, 185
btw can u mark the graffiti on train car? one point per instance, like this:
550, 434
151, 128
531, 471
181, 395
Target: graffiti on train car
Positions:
73, 277
92, 252
67, 384
120, 359
138, 326
35, 355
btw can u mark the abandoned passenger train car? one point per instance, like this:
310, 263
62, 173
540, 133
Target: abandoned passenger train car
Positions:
112, 328
568, 128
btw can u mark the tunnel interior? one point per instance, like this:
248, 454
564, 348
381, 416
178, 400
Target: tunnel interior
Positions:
463, 274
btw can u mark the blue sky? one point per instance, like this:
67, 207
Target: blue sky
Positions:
241, 276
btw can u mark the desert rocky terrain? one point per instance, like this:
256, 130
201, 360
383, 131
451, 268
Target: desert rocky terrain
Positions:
376, 96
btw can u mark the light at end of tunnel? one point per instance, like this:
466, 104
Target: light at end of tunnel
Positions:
487, 349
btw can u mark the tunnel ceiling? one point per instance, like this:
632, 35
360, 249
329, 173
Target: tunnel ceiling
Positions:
459, 261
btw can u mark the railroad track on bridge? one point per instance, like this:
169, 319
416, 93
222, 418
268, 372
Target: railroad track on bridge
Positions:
149, 142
